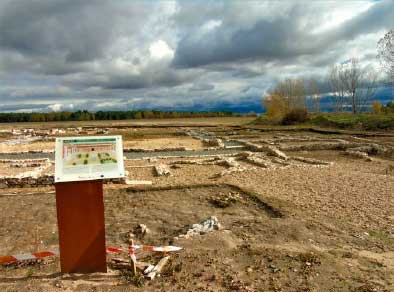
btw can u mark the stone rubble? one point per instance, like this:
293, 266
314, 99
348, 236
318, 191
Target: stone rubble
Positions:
209, 139
311, 160
201, 228
358, 154
162, 170
167, 149
270, 149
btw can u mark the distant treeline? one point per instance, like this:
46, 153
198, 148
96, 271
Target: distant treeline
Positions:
105, 115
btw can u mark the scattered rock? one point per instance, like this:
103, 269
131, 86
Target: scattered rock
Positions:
203, 227
358, 154
141, 230
162, 170
224, 201
311, 160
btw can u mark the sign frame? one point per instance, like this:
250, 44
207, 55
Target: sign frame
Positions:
83, 171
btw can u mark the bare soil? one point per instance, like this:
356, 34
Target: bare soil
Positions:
293, 228
162, 143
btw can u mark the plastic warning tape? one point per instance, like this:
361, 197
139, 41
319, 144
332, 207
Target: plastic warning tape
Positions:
55, 252
28, 256
168, 248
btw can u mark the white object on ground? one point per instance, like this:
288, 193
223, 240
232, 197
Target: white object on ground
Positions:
162, 169
203, 227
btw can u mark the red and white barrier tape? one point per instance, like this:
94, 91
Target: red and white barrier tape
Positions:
55, 252
168, 248
28, 256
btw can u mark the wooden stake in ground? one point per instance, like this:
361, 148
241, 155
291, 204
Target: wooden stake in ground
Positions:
133, 259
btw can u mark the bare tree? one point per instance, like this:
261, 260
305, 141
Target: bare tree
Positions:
386, 54
337, 87
293, 91
367, 90
314, 94
359, 84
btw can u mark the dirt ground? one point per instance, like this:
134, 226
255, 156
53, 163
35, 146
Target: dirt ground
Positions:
160, 143
137, 138
184, 122
294, 228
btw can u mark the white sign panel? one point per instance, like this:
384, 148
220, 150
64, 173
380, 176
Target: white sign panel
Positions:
88, 158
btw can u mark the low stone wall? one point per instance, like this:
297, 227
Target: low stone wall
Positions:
24, 182
41, 181
125, 150
17, 163
30, 152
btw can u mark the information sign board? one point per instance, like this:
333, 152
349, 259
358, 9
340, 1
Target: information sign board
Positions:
88, 158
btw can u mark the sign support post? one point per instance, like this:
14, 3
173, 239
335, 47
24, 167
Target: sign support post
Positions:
80, 215
80, 165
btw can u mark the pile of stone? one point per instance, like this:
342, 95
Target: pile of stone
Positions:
232, 164
162, 170
203, 227
213, 142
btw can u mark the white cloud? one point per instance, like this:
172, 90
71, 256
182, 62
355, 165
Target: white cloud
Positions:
124, 54
338, 14
160, 49
211, 24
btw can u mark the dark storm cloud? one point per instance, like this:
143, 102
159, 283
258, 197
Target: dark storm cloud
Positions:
24, 107
201, 87
75, 31
121, 54
283, 38
156, 75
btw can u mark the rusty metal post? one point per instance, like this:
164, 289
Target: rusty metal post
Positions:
80, 217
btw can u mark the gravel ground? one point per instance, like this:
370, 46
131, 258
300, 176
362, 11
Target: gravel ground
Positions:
335, 233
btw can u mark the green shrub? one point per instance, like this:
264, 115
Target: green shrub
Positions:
295, 116
85, 161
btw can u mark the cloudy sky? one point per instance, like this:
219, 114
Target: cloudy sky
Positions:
181, 55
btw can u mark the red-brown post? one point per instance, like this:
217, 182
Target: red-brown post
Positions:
80, 217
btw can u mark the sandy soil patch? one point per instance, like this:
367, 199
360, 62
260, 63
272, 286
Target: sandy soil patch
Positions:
35, 146
161, 143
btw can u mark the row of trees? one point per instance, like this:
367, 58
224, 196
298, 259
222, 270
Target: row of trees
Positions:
290, 94
349, 86
104, 115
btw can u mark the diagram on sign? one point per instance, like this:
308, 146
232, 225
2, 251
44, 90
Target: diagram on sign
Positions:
86, 158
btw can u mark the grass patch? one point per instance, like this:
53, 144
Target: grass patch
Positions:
364, 121
382, 235
357, 121
138, 280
